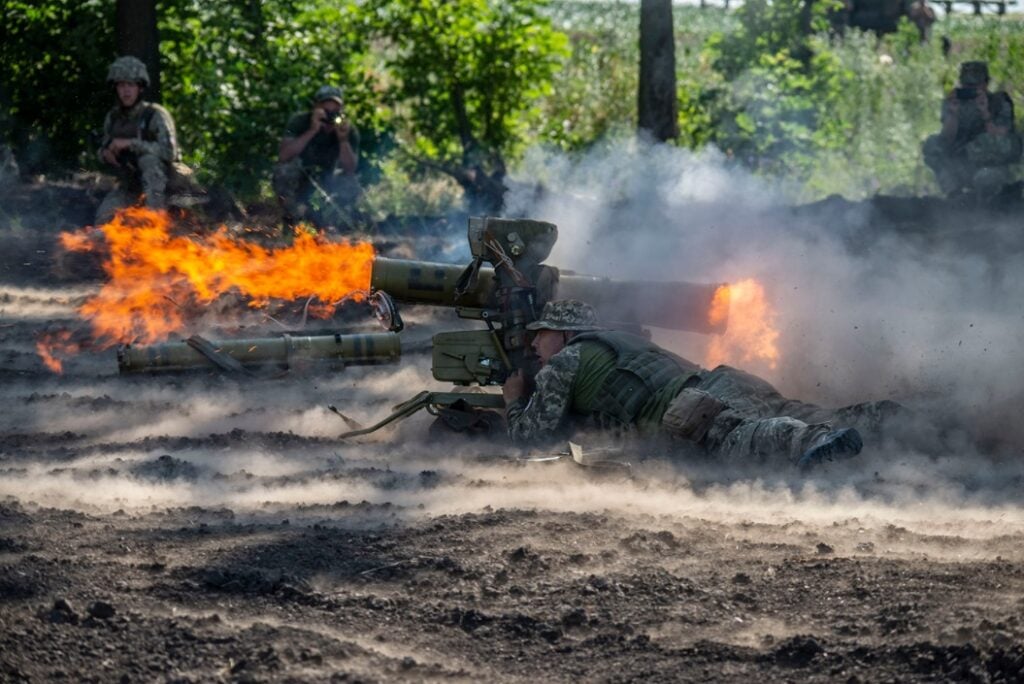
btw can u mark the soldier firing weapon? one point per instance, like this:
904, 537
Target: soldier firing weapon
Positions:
505, 287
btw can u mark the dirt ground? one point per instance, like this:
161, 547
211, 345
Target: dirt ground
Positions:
201, 528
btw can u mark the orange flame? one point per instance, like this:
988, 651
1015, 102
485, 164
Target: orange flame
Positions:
156, 276
81, 241
718, 312
51, 347
751, 337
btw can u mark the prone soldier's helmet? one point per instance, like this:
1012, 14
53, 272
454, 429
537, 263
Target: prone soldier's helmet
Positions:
327, 92
128, 68
566, 314
973, 73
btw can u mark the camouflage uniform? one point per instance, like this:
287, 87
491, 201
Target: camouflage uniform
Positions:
730, 414
973, 158
151, 165
293, 180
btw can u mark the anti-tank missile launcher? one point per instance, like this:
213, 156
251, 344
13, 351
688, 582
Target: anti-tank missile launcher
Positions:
505, 287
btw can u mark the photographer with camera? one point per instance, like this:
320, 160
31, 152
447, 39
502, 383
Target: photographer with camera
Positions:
977, 145
315, 175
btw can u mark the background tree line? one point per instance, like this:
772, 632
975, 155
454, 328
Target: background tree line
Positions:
452, 86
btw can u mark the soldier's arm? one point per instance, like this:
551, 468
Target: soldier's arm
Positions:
292, 147
348, 146
294, 141
164, 144
546, 411
999, 121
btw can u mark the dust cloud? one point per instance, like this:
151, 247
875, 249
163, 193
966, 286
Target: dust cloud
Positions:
863, 314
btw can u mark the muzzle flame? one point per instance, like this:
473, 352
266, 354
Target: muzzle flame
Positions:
751, 338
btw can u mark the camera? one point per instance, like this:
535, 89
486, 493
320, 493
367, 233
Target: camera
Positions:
335, 118
966, 93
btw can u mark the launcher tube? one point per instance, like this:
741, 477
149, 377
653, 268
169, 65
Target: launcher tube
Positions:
283, 351
424, 282
672, 305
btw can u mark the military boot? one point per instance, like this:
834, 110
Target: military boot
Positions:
743, 440
838, 444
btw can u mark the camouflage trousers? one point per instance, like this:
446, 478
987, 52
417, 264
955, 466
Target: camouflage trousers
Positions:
148, 177
302, 200
736, 416
983, 165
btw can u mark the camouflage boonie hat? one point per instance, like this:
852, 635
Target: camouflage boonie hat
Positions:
325, 93
974, 73
129, 69
566, 314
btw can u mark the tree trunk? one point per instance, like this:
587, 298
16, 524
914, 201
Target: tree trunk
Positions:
137, 36
658, 109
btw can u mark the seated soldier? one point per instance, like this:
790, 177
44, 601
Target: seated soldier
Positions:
139, 142
978, 143
315, 175
614, 380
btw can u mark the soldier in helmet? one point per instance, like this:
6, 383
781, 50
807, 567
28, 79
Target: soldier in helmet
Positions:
615, 380
139, 143
977, 145
315, 175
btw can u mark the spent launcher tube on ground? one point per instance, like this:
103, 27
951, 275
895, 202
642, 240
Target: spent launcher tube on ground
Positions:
670, 305
283, 351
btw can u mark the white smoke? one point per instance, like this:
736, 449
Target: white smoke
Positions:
865, 313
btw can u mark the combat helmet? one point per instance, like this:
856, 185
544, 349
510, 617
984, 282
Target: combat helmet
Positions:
128, 68
566, 314
327, 92
973, 73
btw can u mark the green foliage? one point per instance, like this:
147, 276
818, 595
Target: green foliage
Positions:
467, 73
883, 111
765, 83
1000, 40
53, 59
836, 115
771, 27
593, 95
235, 72
774, 83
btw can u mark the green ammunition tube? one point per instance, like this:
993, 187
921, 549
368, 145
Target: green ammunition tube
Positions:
284, 351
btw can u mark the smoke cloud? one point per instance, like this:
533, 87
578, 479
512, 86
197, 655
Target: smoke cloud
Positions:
866, 310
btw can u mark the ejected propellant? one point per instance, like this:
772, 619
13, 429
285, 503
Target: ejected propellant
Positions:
505, 287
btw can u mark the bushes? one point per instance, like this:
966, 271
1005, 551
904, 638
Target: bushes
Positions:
837, 115
53, 59
234, 71
766, 83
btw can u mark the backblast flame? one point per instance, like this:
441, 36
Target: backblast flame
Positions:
53, 347
156, 277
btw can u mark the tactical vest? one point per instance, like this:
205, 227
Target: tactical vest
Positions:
640, 372
132, 126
